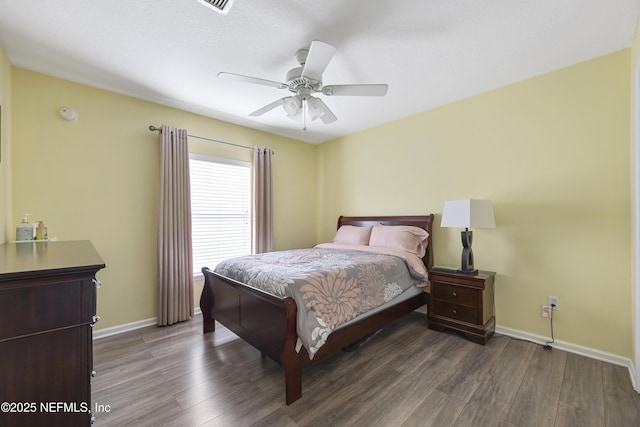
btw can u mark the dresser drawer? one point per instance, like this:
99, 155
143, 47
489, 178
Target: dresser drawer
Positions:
455, 294
455, 311
49, 367
43, 306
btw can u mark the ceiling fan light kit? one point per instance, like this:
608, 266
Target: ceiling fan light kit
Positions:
306, 80
314, 108
293, 107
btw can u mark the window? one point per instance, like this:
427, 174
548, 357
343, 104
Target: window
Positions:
220, 210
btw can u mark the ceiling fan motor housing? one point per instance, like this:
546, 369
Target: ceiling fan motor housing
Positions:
295, 80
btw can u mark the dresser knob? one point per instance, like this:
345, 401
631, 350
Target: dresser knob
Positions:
454, 294
96, 318
97, 282
93, 373
455, 311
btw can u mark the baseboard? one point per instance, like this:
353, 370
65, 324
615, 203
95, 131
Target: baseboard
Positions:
120, 329
575, 349
127, 327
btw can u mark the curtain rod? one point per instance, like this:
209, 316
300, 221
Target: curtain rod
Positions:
152, 128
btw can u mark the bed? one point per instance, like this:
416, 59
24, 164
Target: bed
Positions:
269, 322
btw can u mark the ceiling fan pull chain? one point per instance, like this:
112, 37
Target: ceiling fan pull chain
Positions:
304, 114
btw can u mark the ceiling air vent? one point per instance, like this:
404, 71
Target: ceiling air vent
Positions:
220, 6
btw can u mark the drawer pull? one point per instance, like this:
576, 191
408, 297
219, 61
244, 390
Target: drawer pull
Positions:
454, 294
455, 311
97, 282
93, 373
95, 319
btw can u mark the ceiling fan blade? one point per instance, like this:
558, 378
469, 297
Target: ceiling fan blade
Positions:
328, 116
355, 90
254, 80
268, 107
320, 53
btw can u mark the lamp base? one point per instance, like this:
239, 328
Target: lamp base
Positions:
466, 264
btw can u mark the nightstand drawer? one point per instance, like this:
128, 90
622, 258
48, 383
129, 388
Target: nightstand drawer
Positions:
455, 294
454, 311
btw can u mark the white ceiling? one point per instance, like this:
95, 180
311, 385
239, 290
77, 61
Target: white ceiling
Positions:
429, 52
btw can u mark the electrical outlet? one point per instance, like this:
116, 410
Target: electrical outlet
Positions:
546, 311
554, 302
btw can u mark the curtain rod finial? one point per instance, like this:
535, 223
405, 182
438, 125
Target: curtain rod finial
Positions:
152, 128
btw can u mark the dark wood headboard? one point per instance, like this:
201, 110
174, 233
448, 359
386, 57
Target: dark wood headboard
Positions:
423, 221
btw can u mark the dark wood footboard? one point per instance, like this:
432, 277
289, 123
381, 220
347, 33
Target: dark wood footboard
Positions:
206, 306
265, 321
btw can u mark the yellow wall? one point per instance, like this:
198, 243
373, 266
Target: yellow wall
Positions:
5, 144
97, 179
552, 152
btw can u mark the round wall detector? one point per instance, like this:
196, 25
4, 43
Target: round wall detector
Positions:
68, 114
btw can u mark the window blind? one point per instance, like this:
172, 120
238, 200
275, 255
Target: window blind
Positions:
220, 210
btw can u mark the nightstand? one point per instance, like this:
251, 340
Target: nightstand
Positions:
462, 302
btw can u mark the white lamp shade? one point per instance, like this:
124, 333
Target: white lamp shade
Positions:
468, 213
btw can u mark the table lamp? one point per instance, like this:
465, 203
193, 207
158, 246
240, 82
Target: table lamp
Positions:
468, 213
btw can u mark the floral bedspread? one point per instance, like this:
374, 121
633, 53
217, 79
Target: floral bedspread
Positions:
330, 286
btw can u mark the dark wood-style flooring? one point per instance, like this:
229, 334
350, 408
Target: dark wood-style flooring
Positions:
407, 375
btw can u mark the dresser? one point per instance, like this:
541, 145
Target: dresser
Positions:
47, 312
463, 303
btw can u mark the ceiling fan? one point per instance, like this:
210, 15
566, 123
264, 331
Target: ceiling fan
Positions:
306, 80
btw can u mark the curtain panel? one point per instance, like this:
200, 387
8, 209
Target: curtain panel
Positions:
262, 200
175, 271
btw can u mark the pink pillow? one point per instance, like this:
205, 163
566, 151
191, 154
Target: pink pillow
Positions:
403, 237
352, 235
